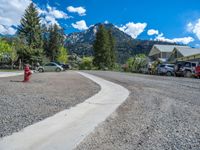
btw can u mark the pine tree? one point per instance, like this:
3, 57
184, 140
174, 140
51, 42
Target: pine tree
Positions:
112, 50
30, 33
56, 41
101, 48
45, 37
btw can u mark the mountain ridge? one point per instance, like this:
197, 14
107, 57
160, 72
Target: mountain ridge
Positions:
81, 43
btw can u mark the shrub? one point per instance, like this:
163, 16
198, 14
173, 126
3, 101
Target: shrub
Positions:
86, 63
136, 63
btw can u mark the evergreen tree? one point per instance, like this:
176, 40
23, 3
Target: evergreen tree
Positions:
30, 34
55, 41
101, 48
112, 50
104, 49
45, 37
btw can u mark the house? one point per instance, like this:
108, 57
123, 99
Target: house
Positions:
185, 54
162, 52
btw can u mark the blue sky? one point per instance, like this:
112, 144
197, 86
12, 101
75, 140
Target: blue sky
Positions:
171, 20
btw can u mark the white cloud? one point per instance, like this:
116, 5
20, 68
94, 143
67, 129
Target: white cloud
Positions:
106, 22
56, 13
133, 29
194, 28
7, 30
197, 45
80, 25
184, 40
11, 12
48, 20
152, 32
51, 14
80, 10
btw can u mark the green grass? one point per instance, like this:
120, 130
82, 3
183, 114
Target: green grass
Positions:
8, 70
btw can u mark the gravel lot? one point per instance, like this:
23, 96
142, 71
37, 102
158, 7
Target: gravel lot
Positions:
161, 113
22, 104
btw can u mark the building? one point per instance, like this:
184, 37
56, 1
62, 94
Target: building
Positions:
162, 52
184, 54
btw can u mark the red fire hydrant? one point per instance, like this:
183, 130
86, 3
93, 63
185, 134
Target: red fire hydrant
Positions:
27, 73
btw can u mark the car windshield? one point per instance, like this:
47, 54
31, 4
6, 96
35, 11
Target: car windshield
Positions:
162, 66
50, 64
194, 64
171, 66
187, 64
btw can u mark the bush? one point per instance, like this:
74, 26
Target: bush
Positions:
117, 67
136, 63
86, 63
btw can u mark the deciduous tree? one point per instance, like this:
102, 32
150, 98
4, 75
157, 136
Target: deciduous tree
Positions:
62, 56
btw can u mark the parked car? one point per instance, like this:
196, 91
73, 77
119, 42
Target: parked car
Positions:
50, 67
64, 66
165, 69
185, 69
197, 72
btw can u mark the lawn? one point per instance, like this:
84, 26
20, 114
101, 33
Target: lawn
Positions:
9, 70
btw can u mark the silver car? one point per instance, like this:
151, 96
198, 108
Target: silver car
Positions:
50, 67
165, 69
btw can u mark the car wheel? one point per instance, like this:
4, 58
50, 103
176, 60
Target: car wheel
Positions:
58, 70
169, 73
188, 74
40, 70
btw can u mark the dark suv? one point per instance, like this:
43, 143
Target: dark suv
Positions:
185, 68
64, 66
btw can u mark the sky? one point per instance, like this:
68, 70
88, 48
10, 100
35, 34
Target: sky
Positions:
164, 20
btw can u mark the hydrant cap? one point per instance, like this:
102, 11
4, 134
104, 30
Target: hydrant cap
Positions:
27, 67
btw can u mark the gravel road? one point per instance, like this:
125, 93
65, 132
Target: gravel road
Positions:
160, 113
22, 104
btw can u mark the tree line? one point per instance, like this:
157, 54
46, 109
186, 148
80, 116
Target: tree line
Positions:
35, 43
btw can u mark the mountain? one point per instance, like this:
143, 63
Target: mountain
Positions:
80, 43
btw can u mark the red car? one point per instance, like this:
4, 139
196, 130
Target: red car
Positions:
197, 72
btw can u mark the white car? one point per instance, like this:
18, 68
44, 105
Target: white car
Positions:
50, 67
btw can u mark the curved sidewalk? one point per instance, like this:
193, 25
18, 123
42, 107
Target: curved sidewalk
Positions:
65, 130
10, 74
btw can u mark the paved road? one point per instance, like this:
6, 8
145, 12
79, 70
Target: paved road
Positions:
22, 104
160, 113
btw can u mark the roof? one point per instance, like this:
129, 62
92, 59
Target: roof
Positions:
188, 51
164, 48
168, 48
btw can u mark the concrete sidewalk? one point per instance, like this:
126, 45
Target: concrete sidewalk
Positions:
68, 128
10, 74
